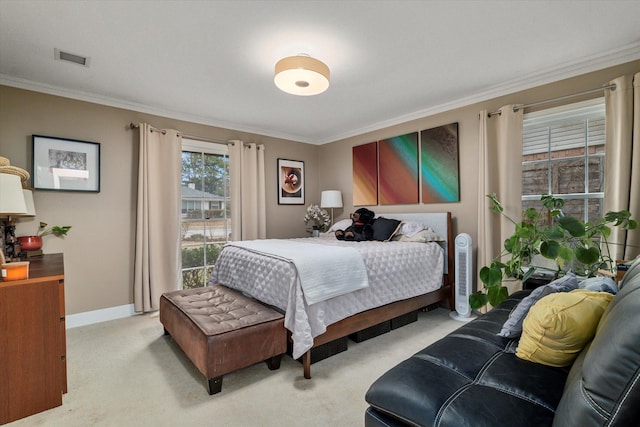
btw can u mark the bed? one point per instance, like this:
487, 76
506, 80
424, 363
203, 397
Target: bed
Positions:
401, 276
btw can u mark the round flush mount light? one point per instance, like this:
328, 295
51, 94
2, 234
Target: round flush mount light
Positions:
301, 75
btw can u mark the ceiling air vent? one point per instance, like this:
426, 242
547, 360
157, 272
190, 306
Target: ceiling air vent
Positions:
70, 57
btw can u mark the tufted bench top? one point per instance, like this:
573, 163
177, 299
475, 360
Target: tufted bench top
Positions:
216, 310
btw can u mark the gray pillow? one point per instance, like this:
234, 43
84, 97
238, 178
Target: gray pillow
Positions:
512, 328
599, 284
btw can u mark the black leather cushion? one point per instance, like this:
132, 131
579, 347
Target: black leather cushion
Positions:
385, 228
457, 380
604, 384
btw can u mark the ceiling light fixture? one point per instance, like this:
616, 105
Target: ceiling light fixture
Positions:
301, 75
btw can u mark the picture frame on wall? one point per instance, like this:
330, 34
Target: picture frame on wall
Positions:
290, 182
65, 164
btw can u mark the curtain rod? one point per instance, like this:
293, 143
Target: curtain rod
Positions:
135, 126
198, 138
547, 101
203, 139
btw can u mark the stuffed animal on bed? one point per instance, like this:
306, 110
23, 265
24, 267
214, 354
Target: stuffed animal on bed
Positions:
360, 228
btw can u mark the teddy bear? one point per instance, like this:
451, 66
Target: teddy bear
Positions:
360, 228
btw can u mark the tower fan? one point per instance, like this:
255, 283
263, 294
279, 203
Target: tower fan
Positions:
463, 280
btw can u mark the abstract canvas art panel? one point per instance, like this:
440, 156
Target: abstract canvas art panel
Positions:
439, 164
398, 169
365, 174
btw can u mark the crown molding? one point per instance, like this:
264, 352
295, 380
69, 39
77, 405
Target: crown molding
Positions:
612, 58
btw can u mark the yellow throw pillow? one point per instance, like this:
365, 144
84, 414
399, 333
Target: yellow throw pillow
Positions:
559, 326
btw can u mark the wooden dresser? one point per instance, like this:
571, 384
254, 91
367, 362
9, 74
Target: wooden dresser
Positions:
33, 366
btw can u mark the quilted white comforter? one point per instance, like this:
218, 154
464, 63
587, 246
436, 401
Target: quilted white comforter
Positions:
396, 271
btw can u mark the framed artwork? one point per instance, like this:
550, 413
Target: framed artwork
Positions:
65, 164
290, 182
439, 164
398, 169
365, 174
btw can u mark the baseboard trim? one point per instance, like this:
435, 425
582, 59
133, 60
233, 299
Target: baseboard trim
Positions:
97, 316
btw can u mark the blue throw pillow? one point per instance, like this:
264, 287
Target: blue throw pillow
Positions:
512, 328
599, 284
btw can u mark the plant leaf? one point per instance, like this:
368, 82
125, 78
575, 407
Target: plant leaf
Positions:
531, 214
573, 225
550, 249
555, 233
565, 253
525, 231
477, 300
497, 294
490, 276
496, 206
552, 203
512, 244
588, 255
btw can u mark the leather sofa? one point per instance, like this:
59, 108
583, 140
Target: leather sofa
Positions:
472, 377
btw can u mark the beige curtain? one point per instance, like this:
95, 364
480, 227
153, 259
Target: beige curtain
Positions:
248, 202
622, 168
499, 172
157, 253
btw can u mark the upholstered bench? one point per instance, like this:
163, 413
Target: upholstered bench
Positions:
220, 330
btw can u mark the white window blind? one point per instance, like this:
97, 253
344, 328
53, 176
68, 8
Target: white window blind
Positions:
563, 155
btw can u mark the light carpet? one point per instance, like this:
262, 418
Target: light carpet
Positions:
127, 373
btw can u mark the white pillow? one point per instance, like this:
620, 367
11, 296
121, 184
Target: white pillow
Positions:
411, 228
340, 225
422, 236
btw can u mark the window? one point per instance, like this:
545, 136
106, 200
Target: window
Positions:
563, 155
206, 215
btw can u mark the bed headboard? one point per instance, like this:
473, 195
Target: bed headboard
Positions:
439, 222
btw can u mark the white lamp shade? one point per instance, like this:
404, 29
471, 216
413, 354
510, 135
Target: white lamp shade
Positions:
28, 201
301, 75
11, 196
331, 199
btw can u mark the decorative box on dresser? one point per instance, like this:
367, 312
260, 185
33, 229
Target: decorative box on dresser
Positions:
33, 365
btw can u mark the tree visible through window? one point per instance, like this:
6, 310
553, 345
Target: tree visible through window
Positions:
563, 155
206, 215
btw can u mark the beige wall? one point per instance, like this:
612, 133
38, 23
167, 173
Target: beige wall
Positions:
335, 158
99, 249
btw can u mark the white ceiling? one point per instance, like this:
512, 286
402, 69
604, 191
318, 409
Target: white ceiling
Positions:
212, 62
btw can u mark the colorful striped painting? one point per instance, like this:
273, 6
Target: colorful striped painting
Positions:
365, 174
439, 164
398, 166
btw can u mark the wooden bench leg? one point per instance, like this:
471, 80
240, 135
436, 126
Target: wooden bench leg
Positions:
273, 363
306, 364
215, 385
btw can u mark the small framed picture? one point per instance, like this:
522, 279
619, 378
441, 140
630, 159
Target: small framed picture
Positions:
65, 164
290, 182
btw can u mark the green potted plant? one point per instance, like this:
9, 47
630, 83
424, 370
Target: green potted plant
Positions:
34, 243
571, 243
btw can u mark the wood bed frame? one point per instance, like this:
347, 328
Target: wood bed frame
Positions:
374, 316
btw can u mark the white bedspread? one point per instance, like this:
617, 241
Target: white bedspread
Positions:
396, 271
324, 271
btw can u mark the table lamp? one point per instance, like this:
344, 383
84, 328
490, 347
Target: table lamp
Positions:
331, 199
12, 203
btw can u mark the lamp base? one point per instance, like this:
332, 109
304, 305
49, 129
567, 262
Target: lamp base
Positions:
10, 246
2, 260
